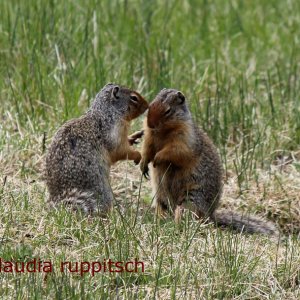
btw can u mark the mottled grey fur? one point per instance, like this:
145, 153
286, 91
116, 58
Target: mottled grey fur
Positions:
78, 160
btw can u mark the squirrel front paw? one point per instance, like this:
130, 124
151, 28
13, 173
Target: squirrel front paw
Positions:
144, 168
137, 157
132, 139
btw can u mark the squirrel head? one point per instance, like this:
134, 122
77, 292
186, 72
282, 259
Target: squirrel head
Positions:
168, 106
128, 103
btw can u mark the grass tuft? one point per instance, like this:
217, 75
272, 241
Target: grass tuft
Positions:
238, 64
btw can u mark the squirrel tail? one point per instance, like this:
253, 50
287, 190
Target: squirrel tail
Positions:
78, 200
244, 223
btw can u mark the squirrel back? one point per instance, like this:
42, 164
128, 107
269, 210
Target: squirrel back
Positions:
186, 170
78, 161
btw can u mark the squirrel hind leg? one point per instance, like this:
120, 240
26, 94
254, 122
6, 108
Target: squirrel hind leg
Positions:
161, 209
195, 201
85, 201
190, 206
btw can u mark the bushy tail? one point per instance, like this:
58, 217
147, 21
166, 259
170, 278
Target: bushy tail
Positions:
84, 201
244, 223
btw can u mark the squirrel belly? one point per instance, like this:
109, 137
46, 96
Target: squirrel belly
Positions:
186, 170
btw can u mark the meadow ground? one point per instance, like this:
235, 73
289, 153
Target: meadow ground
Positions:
238, 64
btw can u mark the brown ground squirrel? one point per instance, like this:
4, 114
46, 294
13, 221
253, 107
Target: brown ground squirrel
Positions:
78, 160
186, 169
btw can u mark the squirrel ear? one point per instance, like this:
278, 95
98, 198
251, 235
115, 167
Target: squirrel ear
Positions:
115, 92
181, 97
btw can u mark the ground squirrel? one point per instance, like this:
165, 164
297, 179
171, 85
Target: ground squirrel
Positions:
78, 161
186, 170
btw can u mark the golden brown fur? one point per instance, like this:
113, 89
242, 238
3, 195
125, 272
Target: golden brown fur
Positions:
185, 168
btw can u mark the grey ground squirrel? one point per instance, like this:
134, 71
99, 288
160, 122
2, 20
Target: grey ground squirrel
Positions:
185, 167
77, 164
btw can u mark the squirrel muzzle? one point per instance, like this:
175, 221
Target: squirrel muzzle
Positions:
155, 114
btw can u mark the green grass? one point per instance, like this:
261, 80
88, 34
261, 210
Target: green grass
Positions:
238, 64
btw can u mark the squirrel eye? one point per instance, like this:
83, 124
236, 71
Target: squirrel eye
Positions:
167, 112
134, 98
